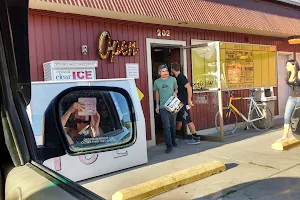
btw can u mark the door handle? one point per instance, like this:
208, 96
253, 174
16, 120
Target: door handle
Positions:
120, 153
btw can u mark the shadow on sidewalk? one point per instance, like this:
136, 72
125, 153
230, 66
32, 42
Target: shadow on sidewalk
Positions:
271, 188
157, 153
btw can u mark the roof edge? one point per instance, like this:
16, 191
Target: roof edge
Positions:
85, 11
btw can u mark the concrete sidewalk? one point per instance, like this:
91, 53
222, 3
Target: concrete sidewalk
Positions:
254, 170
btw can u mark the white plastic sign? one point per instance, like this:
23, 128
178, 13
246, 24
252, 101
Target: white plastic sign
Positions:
75, 74
69, 70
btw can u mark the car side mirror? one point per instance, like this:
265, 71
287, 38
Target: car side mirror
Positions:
88, 119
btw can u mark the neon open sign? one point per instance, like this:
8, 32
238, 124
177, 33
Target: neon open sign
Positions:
112, 48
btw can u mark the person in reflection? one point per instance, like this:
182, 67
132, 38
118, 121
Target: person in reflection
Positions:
86, 126
185, 96
293, 80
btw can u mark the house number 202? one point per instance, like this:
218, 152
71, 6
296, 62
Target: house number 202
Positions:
163, 32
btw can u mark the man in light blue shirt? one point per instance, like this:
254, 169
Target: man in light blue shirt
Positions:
165, 87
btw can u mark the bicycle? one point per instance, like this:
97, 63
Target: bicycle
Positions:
259, 115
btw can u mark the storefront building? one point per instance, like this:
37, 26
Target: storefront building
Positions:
154, 33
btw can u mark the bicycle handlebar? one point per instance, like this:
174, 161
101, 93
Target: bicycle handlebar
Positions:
229, 94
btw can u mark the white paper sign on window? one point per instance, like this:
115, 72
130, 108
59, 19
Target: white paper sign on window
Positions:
132, 70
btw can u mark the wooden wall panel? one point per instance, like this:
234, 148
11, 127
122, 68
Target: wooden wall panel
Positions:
60, 38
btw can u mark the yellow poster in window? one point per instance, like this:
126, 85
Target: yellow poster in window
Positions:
204, 62
242, 66
248, 66
239, 68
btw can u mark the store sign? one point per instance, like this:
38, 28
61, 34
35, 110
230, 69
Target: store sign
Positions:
73, 74
242, 66
248, 66
111, 48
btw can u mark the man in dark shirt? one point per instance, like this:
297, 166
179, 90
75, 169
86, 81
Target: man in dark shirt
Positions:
185, 96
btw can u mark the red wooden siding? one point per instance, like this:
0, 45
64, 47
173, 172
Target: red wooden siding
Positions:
247, 15
53, 37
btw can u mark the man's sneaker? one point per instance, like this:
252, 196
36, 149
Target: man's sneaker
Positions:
195, 139
168, 150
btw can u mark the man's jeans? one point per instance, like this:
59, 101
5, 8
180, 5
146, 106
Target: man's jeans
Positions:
169, 126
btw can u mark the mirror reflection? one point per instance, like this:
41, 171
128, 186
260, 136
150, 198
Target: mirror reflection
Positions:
95, 118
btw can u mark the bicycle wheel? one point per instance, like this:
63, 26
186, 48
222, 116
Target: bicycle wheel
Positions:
229, 120
266, 122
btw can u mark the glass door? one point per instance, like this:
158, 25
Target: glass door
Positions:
206, 76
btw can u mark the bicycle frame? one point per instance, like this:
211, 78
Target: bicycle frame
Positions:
253, 104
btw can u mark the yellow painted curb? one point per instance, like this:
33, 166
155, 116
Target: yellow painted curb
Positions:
169, 182
286, 144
